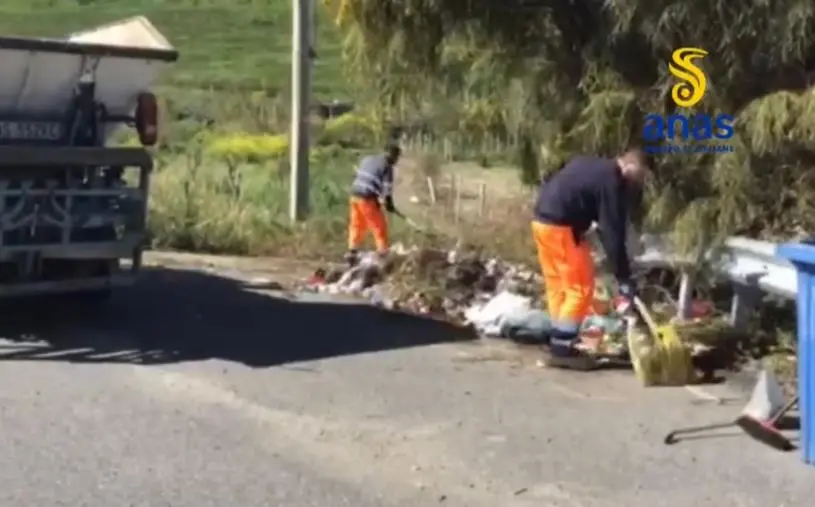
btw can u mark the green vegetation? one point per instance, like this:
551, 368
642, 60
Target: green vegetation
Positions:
526, 81
588, 71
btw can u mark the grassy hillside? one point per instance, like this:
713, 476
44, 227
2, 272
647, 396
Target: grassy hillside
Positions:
223, 44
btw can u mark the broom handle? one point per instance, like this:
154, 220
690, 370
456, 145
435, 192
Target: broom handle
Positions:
408, 221
638, 304
646, 315
673, 437
783, 411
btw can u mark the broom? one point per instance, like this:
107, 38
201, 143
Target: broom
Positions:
662, 358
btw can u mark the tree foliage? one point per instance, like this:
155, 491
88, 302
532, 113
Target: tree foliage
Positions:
582, 74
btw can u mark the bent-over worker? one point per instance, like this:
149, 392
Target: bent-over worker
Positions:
373, 182
586, 190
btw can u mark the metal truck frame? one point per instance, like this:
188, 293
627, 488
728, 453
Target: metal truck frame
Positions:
70, 212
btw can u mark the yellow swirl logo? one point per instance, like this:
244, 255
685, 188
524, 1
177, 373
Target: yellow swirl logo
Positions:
693, 83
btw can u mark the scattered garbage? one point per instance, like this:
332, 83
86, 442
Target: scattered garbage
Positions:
497, 298
446, 284
531, 326
504, 313
604, 323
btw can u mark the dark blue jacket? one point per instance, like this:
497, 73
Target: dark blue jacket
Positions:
586, 190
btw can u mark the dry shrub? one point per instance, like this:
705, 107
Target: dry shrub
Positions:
428, 165
504, 231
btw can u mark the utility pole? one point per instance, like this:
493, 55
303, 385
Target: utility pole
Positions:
302, 27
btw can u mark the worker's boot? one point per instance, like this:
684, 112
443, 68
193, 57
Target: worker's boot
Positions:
351, 257
563, 352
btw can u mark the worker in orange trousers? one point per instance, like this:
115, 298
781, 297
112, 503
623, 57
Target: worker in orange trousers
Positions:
373, 182
586, 190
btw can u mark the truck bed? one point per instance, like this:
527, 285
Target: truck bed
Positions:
63, 46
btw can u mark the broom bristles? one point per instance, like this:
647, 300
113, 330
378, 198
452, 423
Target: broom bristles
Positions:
660, 360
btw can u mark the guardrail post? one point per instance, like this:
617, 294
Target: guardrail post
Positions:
802, 256
744, 300
685, 300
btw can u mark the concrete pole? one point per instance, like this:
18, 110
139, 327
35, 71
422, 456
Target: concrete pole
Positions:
302, 25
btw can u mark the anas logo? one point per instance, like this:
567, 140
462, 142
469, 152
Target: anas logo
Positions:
692, 83
682, 133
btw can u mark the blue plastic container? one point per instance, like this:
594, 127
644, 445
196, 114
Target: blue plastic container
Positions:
803, 257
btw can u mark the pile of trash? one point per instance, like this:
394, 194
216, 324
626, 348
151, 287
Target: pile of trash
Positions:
427, 281
516, 317
461, 285
497, 298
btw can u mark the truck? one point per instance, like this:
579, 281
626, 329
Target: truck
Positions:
73, 210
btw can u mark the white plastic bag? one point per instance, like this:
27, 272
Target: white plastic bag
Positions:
488, 318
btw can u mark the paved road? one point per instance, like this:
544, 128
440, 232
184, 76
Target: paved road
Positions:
196, 391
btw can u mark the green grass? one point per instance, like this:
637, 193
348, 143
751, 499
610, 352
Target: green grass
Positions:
223, 44
205, 207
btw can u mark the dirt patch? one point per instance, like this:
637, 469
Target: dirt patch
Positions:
459, 193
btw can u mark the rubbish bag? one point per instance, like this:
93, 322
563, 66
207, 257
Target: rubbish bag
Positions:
532, 326
488, 318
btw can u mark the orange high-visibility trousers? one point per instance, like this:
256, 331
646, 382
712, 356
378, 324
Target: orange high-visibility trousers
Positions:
366, 215
568, 274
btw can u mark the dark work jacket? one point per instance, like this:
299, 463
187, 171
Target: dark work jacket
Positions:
586, 190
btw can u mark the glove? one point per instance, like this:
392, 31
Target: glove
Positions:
389, 207
627, 294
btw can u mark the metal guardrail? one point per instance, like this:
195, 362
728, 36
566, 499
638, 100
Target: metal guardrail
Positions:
750, 265
754, 263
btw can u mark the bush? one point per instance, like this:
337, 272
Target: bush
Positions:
350, 130
200, 204
250, 148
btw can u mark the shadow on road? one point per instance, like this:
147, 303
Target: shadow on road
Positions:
182, 315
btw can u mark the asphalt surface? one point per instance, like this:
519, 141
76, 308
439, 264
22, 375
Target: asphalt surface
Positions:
194, 390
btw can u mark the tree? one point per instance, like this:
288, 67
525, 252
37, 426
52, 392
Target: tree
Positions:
590, 70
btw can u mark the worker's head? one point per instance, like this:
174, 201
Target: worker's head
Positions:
392, 153
634, 164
